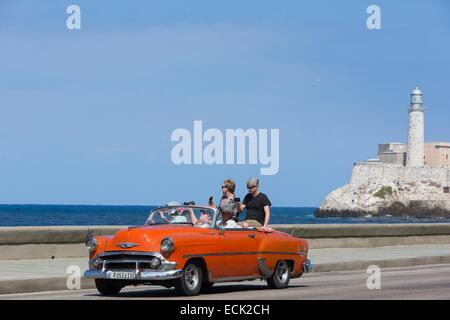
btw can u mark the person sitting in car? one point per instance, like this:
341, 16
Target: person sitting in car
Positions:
180, 215
204, 220
175, 215
227, 210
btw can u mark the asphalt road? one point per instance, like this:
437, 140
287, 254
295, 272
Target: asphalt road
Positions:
423, 282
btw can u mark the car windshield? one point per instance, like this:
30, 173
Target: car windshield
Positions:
196, 216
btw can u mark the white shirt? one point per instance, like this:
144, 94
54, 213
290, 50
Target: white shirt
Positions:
179, 218
231, 224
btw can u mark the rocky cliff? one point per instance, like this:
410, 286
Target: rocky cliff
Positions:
381, 189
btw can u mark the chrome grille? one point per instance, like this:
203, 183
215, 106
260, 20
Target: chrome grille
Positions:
129, 257
130, 261
145, 265
120, 265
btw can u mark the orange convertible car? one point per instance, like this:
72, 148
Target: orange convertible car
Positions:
187, 247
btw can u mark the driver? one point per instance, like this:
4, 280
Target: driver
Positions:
175, 214
179, 215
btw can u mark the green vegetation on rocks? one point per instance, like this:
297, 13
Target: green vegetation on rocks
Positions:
383, 192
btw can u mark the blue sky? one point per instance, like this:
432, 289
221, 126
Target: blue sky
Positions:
86, 115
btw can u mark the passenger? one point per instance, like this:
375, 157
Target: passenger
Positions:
205, 218
176, 214
228, 197
166, 214
227, 211
257, 205
179, 215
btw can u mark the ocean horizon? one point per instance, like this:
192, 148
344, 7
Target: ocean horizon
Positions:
93, 215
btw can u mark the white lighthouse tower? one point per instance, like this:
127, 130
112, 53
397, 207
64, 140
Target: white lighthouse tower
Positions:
415, 153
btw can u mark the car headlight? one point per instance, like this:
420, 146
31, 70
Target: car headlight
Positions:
167, 245
91, 244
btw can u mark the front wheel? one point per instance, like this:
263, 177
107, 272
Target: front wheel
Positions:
281, 276
107, 287
190, 282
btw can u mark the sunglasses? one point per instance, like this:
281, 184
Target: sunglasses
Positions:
224, 187
250, 188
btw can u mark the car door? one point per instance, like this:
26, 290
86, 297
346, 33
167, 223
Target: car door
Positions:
239, 252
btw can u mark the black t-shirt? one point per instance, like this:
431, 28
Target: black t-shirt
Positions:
255, 206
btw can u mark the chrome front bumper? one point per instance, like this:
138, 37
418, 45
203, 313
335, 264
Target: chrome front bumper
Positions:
165, 271
143, 275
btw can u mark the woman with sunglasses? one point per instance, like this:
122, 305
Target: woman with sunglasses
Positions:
228, 188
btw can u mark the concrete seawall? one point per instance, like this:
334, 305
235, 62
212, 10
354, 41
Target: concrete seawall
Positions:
369, 235
53, 242
17, 243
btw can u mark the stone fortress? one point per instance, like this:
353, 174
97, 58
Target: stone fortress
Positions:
410, 179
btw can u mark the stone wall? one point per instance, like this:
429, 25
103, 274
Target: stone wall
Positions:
364, 172
54, 242
392, 157
437, 154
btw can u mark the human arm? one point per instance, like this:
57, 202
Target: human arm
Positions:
266, 208
266, 216
241, 206
163, 216
211, 202
194, 219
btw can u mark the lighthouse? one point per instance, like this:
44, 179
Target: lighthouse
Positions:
415, 153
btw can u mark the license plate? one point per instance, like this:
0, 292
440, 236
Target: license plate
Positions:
122, 275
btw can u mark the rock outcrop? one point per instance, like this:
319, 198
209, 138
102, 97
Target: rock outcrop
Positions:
383, 189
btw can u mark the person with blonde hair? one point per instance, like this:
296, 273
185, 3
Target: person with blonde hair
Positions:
228, 189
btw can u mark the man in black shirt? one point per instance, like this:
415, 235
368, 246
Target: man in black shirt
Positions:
257, 205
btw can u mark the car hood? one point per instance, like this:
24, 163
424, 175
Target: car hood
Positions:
148, 238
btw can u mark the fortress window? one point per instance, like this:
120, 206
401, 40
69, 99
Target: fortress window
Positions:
446, 189
446, 157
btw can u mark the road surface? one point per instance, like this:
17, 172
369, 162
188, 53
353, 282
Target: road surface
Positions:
420, 282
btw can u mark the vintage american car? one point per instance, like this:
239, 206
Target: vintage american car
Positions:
188, 248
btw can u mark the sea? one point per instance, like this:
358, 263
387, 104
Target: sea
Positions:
94, 215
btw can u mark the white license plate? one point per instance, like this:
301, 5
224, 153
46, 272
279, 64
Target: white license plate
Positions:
122, 275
